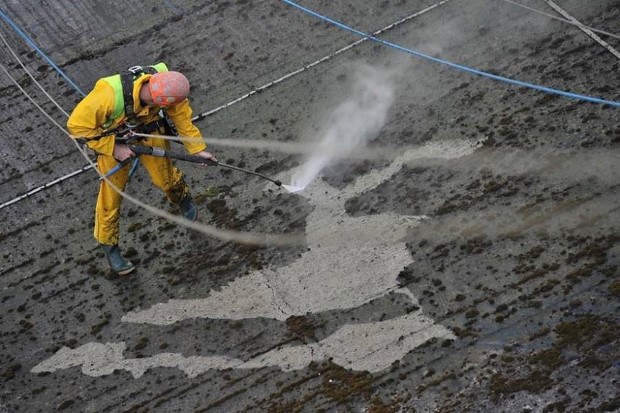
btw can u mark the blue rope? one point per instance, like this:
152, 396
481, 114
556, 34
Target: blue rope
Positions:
454, 65
35, 47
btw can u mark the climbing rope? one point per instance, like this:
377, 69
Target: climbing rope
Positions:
456, 66
569, 21
586, 30
222, 234
32, 77
38, 50
257, 144
292, 148
321, 60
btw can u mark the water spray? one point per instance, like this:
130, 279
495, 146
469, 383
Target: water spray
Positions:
349, 126
292, 188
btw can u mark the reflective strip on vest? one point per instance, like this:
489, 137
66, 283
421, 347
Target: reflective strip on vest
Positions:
119, 102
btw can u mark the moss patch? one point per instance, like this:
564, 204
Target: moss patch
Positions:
342, 385
536, 382
585, 335
614, 288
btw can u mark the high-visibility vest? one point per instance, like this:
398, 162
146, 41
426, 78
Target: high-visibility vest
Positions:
123, 99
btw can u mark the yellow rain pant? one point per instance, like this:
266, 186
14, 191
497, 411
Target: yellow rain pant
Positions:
163, 174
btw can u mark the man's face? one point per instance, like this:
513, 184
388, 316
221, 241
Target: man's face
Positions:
145, 95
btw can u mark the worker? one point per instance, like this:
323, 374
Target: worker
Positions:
143, 100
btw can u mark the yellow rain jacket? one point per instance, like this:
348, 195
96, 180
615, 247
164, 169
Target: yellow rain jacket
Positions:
88, 119
98, 106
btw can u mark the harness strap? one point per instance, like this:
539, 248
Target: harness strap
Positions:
127, 79
127, 87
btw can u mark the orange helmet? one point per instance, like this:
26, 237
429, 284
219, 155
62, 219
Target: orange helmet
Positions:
168, 88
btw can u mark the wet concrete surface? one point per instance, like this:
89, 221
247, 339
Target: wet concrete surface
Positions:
476, 271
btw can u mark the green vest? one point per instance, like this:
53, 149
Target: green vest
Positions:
119, 100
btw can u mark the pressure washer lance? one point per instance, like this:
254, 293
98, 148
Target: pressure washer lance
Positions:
162, 153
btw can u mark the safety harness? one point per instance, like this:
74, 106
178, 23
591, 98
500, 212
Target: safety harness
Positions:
123, 91
127, 79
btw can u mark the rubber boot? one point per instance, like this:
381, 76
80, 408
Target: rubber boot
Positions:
117, 262
188, 208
